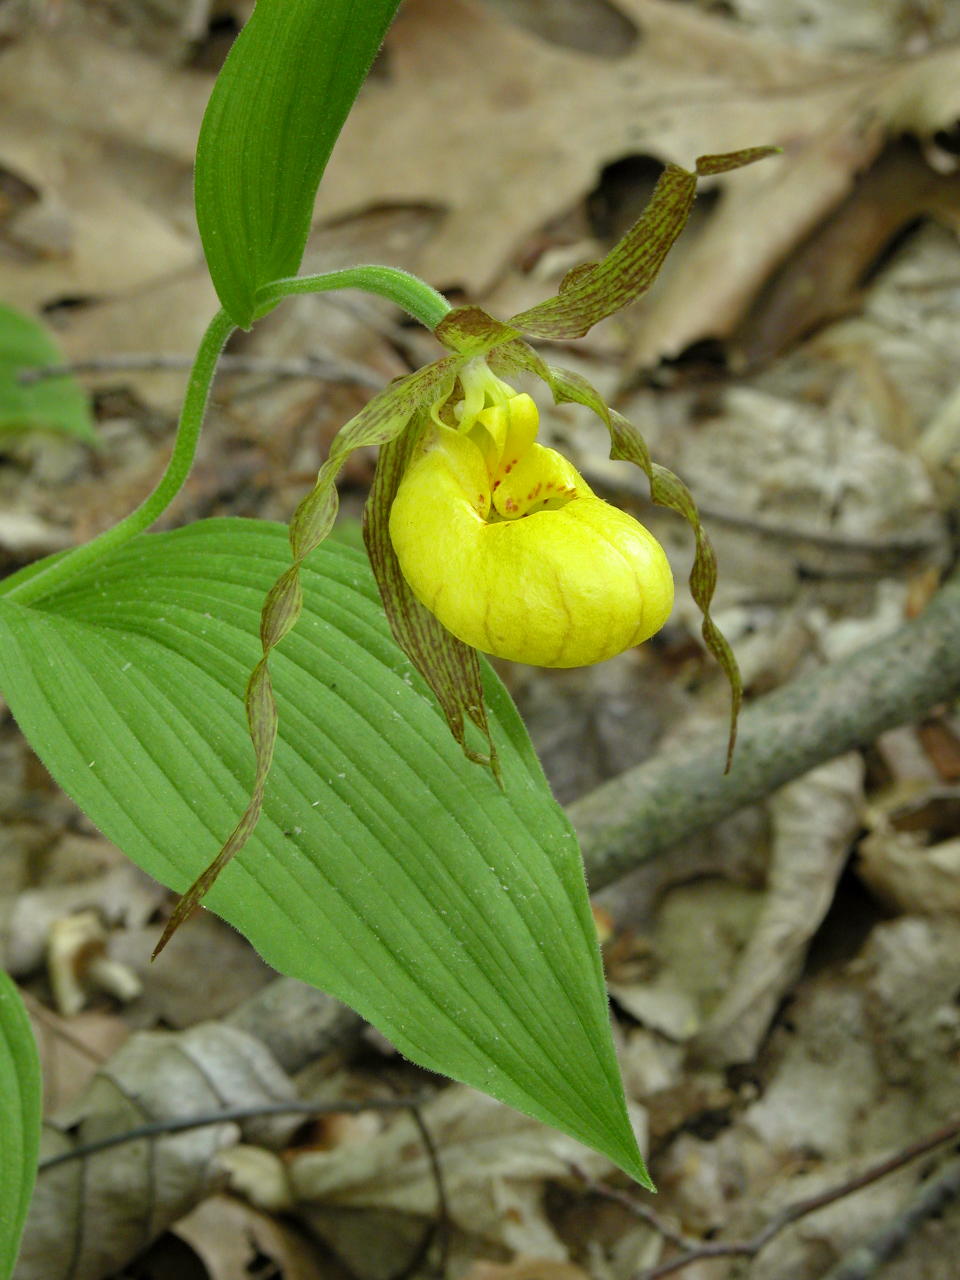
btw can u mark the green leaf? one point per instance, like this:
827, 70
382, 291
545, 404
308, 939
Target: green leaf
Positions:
386, 868
20, 1107
53, 403
378, 421
274, 115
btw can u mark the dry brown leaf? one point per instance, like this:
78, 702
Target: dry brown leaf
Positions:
507, 148
101, 140
234, 1240
823, 278
72, 1050
494, 1163
90, 1216
700, 930
911, 857
942, 745
507, 130
908, 875
814, 822
123, 893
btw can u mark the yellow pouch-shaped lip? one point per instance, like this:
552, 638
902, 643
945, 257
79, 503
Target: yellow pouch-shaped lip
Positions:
514, 554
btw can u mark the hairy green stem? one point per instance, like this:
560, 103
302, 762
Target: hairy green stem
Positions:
409, 292
416, 297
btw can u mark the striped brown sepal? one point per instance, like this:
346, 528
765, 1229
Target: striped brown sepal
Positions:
666, 489
595, 290
450, 667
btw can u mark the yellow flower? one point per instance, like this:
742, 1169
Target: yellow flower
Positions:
506, 544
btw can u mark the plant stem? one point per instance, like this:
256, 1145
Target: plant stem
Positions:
409, 292
415, 296
51, 573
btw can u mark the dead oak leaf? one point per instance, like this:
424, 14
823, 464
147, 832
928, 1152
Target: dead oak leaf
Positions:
505, 130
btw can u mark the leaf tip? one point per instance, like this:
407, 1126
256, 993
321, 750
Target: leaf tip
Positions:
182, 912
728, 160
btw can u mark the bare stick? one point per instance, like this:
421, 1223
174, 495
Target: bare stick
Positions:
439, 1228
697, 1251
844, 705
933, 1196
328, 370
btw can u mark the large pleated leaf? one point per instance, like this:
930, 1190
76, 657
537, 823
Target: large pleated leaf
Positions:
20, 1104
275, 112
386, 868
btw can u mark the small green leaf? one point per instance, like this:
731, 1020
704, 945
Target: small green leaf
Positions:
386, 868
50, 403
20, 1108
274, 115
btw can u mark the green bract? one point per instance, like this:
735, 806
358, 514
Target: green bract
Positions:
275, 112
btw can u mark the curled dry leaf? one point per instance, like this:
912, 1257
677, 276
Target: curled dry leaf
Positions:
78, 963
910, 876
911, 857
824, 278
118, 1200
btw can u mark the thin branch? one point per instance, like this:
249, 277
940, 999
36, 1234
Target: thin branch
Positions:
328, 370
439, 1227
181, 1124
697, 1251
931, 1199
842, 706
635, 1206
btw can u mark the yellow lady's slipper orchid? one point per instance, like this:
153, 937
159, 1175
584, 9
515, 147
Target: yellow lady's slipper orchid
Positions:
499, 538
506, 544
